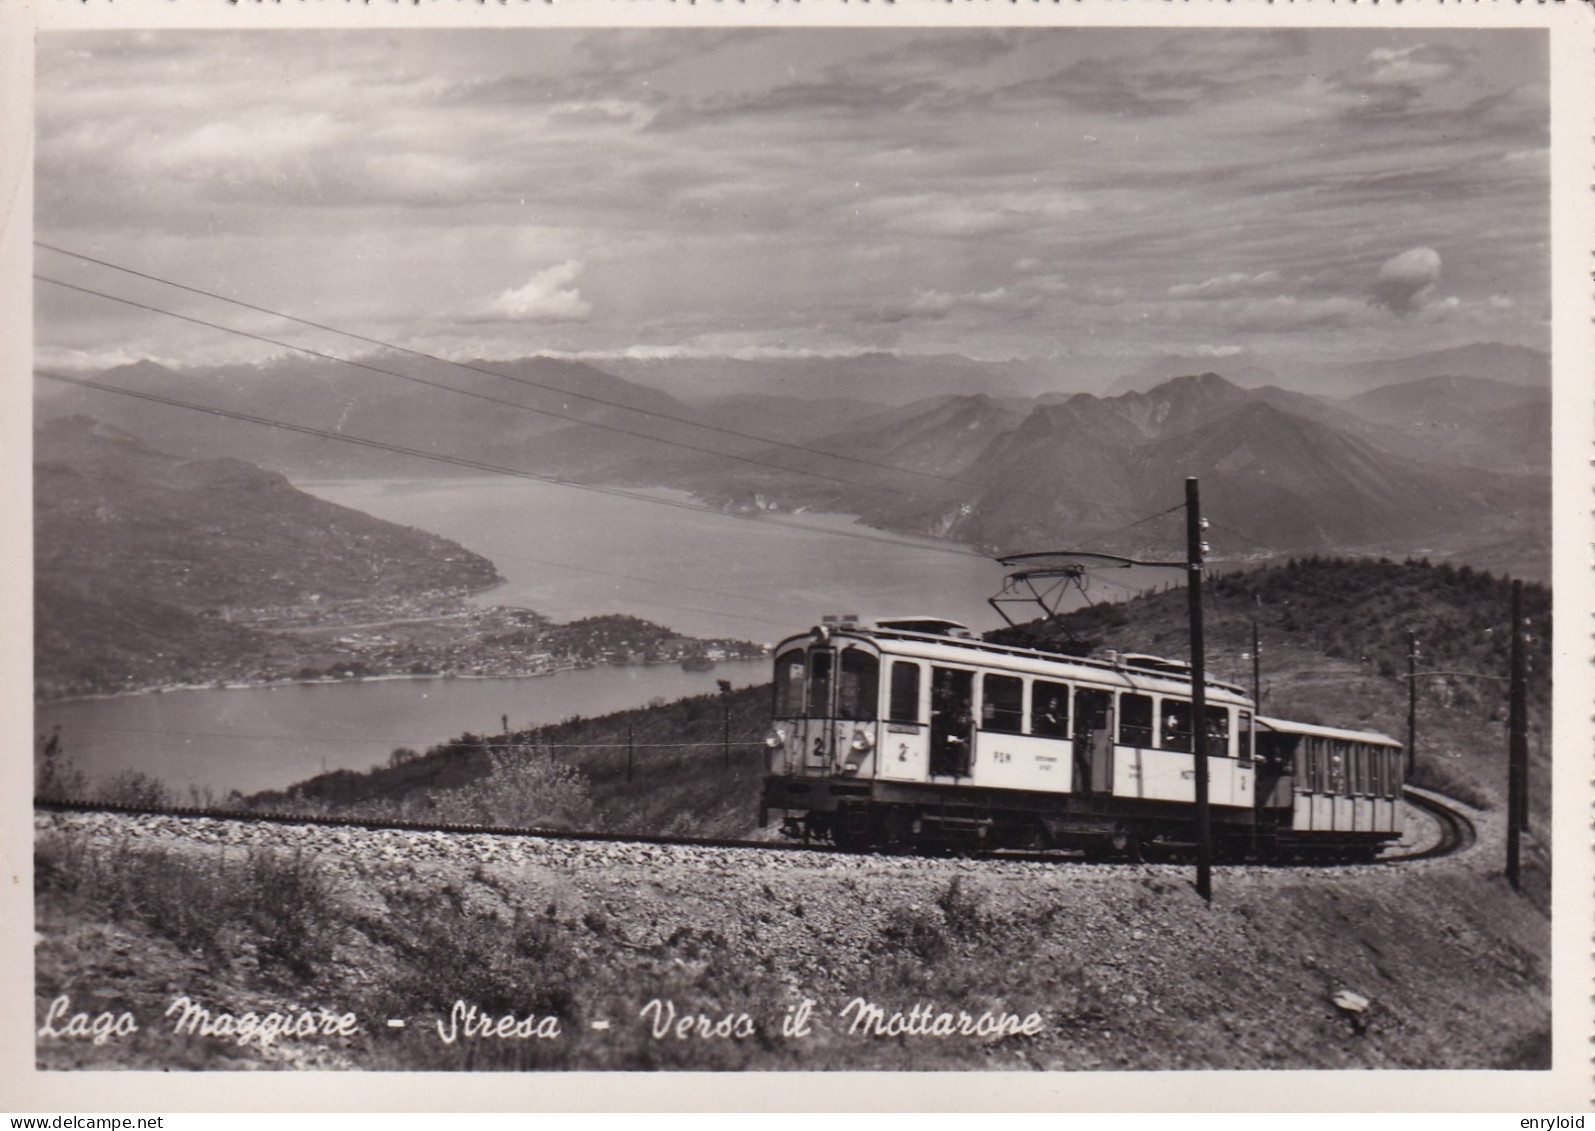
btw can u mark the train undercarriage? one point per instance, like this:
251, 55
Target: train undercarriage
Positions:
914, 818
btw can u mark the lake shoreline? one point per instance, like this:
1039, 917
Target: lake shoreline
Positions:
390, 677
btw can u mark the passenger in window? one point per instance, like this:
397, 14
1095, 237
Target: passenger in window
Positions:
1050, 719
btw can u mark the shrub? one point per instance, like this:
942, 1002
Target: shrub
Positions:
912, 931
135, 789
962, 909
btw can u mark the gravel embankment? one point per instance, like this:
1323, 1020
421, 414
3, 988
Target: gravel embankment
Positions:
1123, 964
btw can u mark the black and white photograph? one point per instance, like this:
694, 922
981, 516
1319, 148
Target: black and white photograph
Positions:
938, 546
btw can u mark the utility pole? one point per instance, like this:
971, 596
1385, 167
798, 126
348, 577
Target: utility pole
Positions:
1412, 704
1257, 671
1193, 584
725, 721
1517, 743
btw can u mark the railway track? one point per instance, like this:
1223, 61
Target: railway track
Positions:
1456, 831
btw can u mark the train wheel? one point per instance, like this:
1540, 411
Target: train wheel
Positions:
1127, 846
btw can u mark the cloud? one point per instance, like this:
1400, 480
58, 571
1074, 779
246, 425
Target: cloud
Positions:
1406, 281
1419, 63
546, 297
932, 305
1222, 286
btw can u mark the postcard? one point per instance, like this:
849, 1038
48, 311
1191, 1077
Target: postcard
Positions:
792, 556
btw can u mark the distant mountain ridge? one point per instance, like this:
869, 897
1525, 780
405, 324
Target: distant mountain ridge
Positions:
1289, 471
1445, 456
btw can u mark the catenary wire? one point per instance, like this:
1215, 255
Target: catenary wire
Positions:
653, 413
479, 465
446, 388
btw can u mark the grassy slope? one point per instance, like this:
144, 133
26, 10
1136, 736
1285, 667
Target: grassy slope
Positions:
1125, 965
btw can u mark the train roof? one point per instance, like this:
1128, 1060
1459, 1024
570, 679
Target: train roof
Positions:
1285, 726
937, 632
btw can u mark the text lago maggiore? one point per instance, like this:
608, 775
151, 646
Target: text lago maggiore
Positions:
661, 1019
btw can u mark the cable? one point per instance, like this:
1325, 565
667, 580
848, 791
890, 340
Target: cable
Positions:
1131, 526
450, 388
539, 385
478, 465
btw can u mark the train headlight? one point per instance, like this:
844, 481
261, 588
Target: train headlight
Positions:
863, 742
775, 738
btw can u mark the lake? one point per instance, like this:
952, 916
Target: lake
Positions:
567, 553
571, 553
268, 737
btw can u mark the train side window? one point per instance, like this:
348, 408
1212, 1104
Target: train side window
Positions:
904, 707
1049, 709
1002, 703
1218, 732
820, 684
1176, 726
1135, 720
1393, 759
858, 691
1337, 768
789, 686
1243, 736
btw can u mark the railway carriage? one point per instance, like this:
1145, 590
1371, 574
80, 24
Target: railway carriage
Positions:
912, 733
1328, 790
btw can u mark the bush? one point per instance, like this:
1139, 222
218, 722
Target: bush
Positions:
280, 906
962, 910
56, 776
135, 789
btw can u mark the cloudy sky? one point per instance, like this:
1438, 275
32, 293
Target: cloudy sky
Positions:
1327, 194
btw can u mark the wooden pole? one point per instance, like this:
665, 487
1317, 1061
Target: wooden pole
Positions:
1257, 671
1517, 743
1193, 584
1412, 704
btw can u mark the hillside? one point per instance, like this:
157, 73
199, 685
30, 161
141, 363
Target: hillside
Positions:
143, 561
1469, 421
1122, 966
1514, 365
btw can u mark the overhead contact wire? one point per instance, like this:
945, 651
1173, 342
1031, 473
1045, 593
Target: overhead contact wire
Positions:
652, 413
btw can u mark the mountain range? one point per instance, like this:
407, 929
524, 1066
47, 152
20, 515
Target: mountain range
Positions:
1434, 461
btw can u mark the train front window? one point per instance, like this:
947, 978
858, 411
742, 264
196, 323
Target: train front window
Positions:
859, 689
905, 692
820, 684
1243, 736
789, 685
1002, 703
